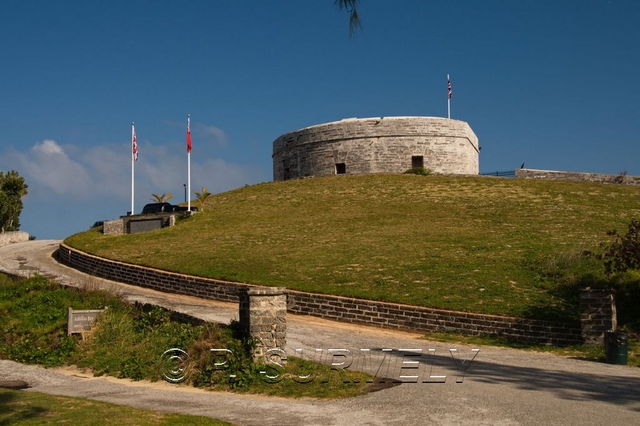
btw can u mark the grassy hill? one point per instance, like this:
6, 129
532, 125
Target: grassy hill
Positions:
480, 244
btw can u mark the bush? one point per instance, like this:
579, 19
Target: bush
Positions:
621, 272
418, 171
128, 342
623, 253
241, 363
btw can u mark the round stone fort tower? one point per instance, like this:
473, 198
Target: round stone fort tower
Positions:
377, 145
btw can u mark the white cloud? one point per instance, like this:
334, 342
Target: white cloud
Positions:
73, 172
49, 169
202, 132
210, 133
47, 147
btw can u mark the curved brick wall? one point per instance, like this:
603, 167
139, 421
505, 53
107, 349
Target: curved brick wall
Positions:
347, 309
376, 145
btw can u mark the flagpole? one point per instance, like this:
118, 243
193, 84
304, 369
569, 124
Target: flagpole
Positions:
448, 97
133, 162
189, 165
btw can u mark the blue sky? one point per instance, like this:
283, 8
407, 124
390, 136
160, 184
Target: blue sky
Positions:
552, 83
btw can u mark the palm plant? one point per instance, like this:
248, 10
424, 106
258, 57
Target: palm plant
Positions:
351, 6
161, 198
202, 196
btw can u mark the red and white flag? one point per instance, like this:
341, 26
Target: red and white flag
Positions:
134, 143
188, 134
449, 86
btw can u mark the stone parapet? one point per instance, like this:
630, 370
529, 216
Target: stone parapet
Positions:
621, 179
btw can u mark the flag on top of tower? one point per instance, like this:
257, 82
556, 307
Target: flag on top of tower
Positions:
189, 133
134, 143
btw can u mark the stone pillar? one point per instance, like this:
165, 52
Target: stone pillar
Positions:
597, 313
263, 317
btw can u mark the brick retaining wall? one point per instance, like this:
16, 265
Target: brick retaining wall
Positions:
346, 309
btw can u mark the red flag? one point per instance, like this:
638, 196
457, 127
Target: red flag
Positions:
449, 87
188, 134
134, 144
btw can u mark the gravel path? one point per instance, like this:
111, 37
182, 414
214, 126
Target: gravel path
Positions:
501, 386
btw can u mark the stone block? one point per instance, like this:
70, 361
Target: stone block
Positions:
113, 227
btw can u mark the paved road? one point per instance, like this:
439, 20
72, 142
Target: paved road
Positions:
501, 386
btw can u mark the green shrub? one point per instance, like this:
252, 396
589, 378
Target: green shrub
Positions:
627, 288
623, 252
240, 364
419, 171
129, 343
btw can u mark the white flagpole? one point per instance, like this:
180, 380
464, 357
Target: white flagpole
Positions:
448, 98
133, 162
189, 165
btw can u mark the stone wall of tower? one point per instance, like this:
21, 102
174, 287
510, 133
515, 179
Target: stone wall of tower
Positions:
377, 145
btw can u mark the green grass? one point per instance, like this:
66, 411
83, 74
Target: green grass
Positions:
34, 408
127, 341
469, 243
123, 347
33, 319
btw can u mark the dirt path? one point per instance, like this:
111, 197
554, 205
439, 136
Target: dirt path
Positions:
501, 386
